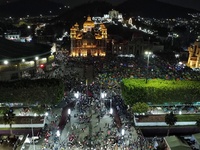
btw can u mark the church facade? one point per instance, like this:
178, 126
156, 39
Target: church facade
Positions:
194, 55
89, 41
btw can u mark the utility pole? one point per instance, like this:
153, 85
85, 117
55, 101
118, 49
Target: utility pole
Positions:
33, 140
147, 70
90, 113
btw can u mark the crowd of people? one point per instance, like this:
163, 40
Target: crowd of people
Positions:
90, 109
105, 132
121, 67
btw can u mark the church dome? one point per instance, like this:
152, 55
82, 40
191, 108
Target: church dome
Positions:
89, 22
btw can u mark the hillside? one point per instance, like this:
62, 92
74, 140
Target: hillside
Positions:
23, 8
80, 13
130, 8
152, 8
144, 8
184, 3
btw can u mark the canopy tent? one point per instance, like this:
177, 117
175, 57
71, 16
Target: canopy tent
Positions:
196, 137
175, 143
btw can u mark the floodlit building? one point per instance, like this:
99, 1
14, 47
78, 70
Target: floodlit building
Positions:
17, 36
113, 15
194, 55
136, 46
89, 41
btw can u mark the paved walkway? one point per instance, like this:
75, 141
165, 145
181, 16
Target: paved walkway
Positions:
76, 133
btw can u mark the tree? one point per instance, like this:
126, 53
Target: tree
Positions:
198, 122
38, 110
158, 91
28, 92
2, 110
140, 107
8, 118
170, 120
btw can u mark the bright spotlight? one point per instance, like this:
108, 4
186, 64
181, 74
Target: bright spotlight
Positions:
36, 58
5, 62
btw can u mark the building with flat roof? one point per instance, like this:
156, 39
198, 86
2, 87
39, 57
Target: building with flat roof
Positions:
17, 57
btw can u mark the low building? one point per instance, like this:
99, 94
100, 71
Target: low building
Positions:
13, 35
17, 36
15, 58
137, 46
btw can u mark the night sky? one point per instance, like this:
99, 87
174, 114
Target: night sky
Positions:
195, 4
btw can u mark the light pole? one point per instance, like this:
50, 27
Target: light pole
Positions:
76, 95
177, 57
69, 111
123, 132
111, 110
175, 65
69, 115
102, 96
90, 112
33, 139
58, 136
148, 53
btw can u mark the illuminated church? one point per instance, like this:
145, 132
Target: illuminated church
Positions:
194, 55
89, 41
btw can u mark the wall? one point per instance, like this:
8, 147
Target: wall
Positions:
22, 126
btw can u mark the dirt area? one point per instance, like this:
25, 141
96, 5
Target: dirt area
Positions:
151, 118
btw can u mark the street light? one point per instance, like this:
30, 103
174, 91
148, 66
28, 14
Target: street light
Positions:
23, 60
103, 94
148, 54
69, 111
57, 133
33, 139
175, 65
123, 132
5, 62
180, 112
177, 57
46, 114
111, 111
36, 58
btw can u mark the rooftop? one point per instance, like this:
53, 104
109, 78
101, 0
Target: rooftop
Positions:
17, 50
